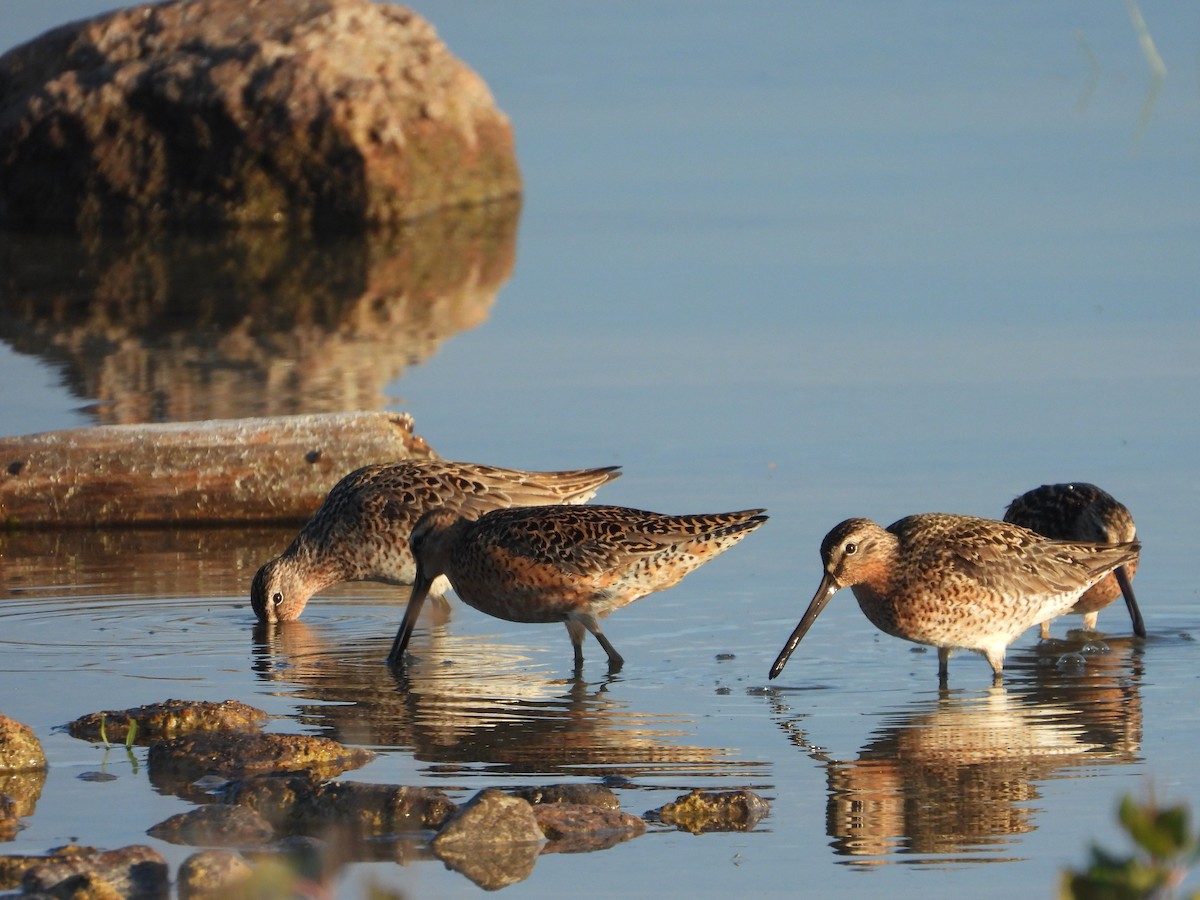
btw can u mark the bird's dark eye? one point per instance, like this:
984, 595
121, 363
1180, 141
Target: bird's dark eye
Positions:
277, 598
851, 547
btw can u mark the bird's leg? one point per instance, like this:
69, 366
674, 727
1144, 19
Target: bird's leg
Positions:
995, 659
615, 660
576, 631
1045, 630
943, 663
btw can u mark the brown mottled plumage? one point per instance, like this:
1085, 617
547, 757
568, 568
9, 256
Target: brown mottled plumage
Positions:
1083, 512
360, 533
955, 582
573, 565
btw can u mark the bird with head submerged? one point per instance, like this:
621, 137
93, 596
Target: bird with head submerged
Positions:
1078, 511
955, 582
573, 565
361, 531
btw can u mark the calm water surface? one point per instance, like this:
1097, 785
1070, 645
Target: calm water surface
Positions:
832, 260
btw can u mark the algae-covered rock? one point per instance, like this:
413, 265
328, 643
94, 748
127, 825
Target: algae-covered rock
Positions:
171, 718
277, 798
20, 749
373, 810
13, 867
136, 871
702, 811
178, 762
582, 794
302, 805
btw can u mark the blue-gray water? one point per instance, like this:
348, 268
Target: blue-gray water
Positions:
835, 260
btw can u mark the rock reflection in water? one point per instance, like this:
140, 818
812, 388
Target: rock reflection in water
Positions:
961, 772
168, 562
253, 322
466, 704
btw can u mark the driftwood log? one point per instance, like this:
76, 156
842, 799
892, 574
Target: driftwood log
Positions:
202, 473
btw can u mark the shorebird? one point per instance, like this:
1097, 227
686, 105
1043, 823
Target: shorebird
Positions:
955, 582
360, 533
1083, 512
573, 565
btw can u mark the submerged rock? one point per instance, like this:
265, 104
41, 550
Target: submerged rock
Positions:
584, 794
702, 811
136, 871
300, 805
178, 762
171, 718
329, 113
216, 825
578, 828
20, 750
374, 810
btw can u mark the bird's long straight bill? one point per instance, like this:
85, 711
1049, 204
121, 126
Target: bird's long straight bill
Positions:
419, 592
1135, 614
827, 589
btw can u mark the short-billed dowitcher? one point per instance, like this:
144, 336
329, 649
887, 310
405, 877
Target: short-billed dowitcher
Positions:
360, 533
573, 565
955, 582
1083, 512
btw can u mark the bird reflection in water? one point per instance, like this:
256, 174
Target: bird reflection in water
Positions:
958, 774
466, 705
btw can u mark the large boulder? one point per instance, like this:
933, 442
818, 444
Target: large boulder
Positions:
332, 114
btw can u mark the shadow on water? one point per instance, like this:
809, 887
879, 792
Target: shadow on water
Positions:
466, 705
958, 773
179, 326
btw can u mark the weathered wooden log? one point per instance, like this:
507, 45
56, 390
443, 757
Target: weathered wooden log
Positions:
224, 471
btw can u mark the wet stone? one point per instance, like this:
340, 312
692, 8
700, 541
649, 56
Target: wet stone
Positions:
307, 806
576, 828
374, 810
217, 825
584, 794
171, 718
493, 839
20, 749
136, 871
491, 816
275, 797
334, 114
13, 868
212, 873
178, 762
702, 811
